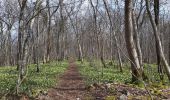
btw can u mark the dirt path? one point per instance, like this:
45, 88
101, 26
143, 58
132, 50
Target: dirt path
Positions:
70, 86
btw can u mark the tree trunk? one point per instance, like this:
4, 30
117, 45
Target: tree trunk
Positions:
156, 11
137, 44
136, 39
22, 46
80, 50
102, 54
37, 46
169, 49
62, 44
130, 45
115, 37
48, 33
9, 51
157, 38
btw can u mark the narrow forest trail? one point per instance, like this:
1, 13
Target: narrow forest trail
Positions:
70, 86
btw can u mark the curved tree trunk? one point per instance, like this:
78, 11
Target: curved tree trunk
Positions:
137, 44
130, 45
114, 36
158, 41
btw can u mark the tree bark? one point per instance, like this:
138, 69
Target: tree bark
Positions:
157, 38
22, 46
156, 11
136, 39
130, 45
114, 36
48, 33
137, 44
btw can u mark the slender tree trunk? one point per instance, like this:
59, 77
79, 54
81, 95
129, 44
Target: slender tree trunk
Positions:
119, 56
58, 46
102, 54
48, 33
156, 11
137, 44
136, 39
22, 46
130, 45
9, 50
37, 47
37, 53
95, 31
34, 52
45, 50
80, 50
62, 44
169, 49
157, 38
114, 36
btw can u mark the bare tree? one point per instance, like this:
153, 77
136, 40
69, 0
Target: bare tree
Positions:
48, 33
135, 65
158, 41
114, 35
22, 44
156, 11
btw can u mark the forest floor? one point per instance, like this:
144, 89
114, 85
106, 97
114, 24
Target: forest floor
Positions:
83, 82
70, 87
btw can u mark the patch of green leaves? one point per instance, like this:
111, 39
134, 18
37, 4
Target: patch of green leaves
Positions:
35, 81
99, 74
112, 73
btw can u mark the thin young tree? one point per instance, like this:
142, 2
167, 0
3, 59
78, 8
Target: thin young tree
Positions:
114, 36
158, 41
130, 44
22, 44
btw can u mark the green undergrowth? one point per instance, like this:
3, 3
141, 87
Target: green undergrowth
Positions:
97, 74
35, 81
94, 72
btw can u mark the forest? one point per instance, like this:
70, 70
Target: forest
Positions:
85, 49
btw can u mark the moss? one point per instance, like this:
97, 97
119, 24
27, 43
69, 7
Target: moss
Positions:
138, 83
88, 98
110, 98
132, 97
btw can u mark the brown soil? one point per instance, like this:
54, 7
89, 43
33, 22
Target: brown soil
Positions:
70, 86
